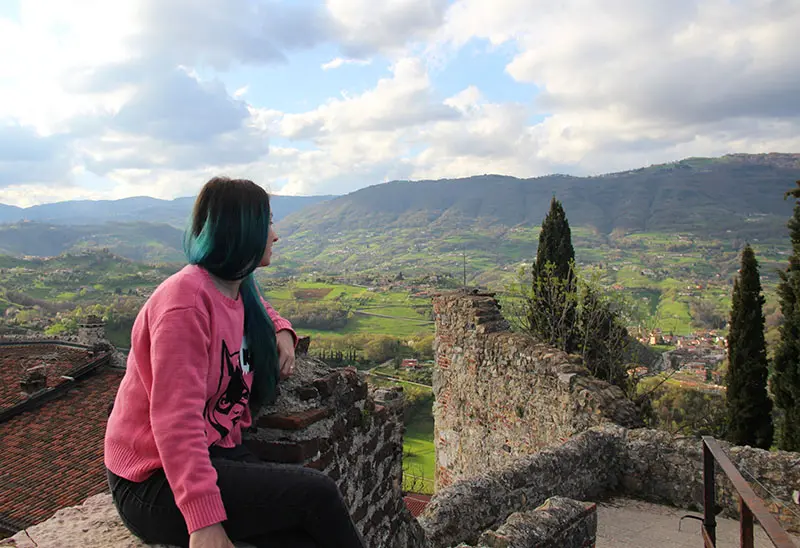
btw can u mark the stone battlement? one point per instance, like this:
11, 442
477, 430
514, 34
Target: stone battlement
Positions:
501, 395
603, 462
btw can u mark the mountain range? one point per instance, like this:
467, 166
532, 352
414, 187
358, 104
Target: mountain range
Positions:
732, 198
709, 194
138, 209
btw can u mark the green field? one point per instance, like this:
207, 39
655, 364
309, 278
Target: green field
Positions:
391, 313
419, 458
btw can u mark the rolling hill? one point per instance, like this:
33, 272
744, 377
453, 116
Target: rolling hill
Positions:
700, 211
706, 206
142, 229
708, 195
140, 209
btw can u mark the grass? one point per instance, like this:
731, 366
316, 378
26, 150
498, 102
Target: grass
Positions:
675, 317
402, 321
419, 454
419, 457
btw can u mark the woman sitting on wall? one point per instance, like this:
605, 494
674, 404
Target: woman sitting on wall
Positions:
206, 352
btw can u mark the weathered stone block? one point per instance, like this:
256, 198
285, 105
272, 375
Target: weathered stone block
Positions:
305, 393
506, 395
284, 451
293, 420
326, 385
558, 523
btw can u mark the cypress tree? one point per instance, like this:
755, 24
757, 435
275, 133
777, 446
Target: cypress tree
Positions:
748, 405
786, 363
552, 317
555, 243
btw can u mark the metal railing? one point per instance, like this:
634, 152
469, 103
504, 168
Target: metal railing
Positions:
750, 505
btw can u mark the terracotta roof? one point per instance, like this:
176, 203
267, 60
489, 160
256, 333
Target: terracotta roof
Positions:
15, 358
416, 503
51, 456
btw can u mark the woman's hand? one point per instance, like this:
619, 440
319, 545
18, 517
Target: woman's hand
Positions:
285, 352
213, 536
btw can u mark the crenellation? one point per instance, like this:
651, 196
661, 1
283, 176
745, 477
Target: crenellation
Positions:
500, 395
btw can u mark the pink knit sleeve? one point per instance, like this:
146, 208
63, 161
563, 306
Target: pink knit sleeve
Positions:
179, 346
279, 322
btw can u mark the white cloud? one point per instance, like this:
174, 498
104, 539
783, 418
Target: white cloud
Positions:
406, 99
627, 82
131, 91
28, 157
341, 61
366, 26
491, 138
115, 91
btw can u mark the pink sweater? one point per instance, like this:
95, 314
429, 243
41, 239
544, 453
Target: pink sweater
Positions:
185, 389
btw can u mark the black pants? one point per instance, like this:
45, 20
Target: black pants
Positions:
268, 505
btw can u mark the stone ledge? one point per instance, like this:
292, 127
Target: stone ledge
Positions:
94, 524
558, 523
585, 467
294, 421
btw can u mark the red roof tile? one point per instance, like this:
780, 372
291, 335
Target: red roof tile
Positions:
15, 359
416, 503
52, 456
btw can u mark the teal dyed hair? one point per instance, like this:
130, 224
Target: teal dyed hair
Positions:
227, 236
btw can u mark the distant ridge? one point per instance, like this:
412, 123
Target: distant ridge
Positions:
734, 198
712, 194
143, 208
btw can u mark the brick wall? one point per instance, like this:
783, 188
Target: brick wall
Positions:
499, 395
328, 420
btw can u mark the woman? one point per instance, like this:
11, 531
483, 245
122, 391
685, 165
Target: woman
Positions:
206, 352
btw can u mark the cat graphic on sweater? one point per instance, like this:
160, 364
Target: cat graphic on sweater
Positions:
225, 408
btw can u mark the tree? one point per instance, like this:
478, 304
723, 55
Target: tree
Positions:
749, 408
595, 325
553, 309
602, 338
555, 243
705, 314
786, 364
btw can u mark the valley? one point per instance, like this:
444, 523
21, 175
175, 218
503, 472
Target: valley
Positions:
356, 272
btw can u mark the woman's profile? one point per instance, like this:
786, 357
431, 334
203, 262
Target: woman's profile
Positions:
206, 352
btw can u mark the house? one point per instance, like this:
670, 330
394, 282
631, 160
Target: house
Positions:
409, 362
54, 401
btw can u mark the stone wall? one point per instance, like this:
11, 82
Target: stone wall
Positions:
499, 395
324, 419
601, 462
585, 467
558, 523
668, 469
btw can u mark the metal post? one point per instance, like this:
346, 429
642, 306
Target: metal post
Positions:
745, 525
750, 505
709, 496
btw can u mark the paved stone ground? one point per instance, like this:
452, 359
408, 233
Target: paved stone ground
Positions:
625, 523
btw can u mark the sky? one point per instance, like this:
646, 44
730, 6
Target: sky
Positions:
105, 100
